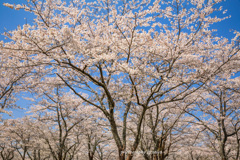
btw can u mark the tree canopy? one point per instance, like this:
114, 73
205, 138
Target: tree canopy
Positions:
127, 79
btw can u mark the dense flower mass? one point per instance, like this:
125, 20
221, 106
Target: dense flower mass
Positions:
127, 79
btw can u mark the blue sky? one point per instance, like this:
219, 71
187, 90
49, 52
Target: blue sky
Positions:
10, 19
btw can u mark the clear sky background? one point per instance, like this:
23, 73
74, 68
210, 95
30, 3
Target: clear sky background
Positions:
10, 19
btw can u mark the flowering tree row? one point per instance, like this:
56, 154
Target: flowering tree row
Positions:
126, 79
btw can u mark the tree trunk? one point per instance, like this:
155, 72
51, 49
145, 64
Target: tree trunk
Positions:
121, 153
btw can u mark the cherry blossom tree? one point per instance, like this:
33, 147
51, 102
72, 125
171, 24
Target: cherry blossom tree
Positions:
68, 128
120, 55
17, 138
58, 128
217, 111
165, 126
